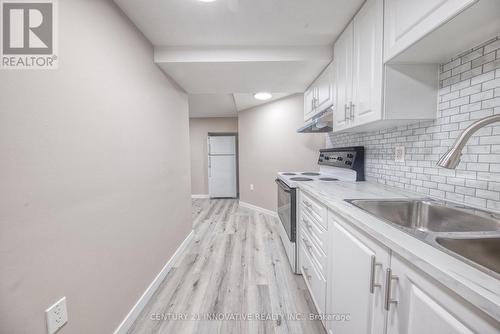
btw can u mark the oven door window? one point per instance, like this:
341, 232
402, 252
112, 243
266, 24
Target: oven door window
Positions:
286, 208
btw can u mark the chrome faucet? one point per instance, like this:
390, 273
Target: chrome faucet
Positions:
452, 157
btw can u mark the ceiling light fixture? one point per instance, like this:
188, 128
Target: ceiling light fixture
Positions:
263, 96
207, 0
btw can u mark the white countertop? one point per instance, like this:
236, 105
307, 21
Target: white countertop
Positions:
480, 289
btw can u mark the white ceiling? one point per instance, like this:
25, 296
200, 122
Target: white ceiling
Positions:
243, 69
240, 22
225, 105
247, 101
212, 105
240, 46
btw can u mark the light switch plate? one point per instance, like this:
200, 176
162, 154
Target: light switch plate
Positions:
399, 154
56, 316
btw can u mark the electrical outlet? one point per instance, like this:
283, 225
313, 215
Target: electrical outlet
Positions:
56, 315
251, 186
399, 154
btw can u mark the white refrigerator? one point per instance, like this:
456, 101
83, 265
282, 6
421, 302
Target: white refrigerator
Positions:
222, 178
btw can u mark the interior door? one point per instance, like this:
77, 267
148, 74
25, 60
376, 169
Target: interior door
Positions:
222, 176
368, 63
343, 78
355, 280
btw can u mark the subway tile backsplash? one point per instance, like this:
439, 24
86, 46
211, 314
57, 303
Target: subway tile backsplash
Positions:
469, 90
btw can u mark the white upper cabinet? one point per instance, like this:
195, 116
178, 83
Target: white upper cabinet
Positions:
370, 95
309, 103
319, 95
433, 31
407, 21
422, 305
343, 78
367, 63
324, 86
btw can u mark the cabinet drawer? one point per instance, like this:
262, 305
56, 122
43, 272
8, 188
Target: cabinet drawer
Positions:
316, 255
314, 281
315, 209
315, 231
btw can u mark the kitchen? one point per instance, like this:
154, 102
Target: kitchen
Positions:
233, 166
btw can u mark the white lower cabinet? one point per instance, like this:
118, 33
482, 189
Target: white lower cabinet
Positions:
312, 242
315, 282
355, 280
382, 293
423, 305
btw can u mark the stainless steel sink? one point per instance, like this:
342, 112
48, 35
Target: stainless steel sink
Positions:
428, 215
483, 251
469, 234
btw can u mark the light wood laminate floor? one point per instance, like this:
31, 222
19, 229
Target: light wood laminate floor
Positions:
235, 267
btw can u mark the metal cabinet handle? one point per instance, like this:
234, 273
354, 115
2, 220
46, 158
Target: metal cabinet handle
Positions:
389, 277
351, 111
345, 112
373, 267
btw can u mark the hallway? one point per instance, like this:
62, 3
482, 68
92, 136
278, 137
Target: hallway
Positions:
234, 268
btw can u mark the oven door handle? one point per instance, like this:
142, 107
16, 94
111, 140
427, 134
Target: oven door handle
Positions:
283, 186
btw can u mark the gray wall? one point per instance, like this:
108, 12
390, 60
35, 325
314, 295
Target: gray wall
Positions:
198, 133
94, 175
269, 143
470, 90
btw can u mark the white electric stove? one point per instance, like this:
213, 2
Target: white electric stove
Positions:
336, 164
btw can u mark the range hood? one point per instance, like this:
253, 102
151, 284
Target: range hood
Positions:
319, 124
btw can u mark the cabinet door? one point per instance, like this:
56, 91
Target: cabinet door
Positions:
425, 306
407, 21
343, 78
355, 280
367, 63
324, 85
309, 98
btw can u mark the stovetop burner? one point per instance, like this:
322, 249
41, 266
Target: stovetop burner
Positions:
289, 174
328, 179
300, 179
310, 173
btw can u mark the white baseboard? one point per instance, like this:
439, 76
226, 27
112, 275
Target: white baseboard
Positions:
199, 196
146, 296
258, 209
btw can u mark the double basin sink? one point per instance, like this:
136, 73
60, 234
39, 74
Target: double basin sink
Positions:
467, 233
